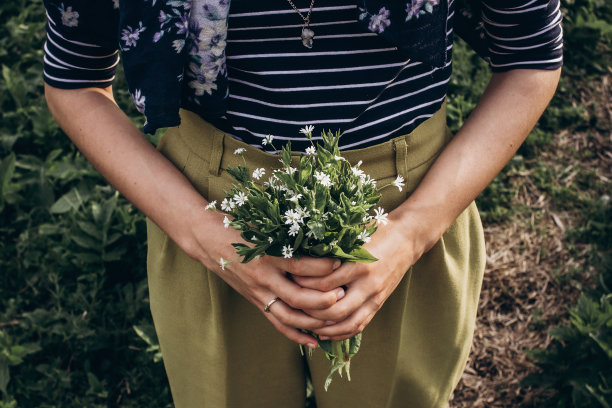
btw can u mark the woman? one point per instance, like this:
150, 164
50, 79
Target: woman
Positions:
376, 70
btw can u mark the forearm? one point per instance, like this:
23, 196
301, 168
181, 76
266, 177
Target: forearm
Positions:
118, 150
506, 113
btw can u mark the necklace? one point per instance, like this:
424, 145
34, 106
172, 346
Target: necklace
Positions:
307, 33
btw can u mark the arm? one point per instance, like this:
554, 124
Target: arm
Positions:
506, 113
119, 151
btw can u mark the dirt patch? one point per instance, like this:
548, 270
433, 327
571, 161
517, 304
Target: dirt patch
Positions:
532, 274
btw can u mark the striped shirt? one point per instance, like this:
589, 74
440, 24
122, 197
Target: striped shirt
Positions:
352, 80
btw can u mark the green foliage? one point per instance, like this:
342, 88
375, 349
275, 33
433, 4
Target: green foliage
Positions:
578, 363
588, 37
72, 253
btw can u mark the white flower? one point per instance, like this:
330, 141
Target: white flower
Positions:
363, 236
271, 181
311, 151
267, 140
240, 199
293, 217
287, 251
270, 240
398, 182
211, 206
240, 150
357, 171
307, 130
295, 198
223, 263
294, 229
258, 173
290, 170
333, 243
303, 214
369, 180
323, 178
227, 205
226, 222
380, 216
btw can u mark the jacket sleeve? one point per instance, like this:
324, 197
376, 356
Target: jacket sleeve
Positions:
82, 41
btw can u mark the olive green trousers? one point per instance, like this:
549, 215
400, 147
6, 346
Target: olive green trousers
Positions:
220, 351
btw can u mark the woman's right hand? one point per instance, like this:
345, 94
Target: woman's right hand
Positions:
265, 278
119, 151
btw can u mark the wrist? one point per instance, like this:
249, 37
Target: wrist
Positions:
420, 224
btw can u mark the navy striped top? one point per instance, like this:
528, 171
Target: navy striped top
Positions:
352, 79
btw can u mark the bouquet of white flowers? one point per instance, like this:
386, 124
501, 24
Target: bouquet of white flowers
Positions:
320, 208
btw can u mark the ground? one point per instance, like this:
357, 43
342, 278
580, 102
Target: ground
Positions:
534, 271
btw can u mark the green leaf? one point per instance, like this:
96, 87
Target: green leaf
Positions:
107, 210
305, 170
321, 197
85, 241
286, 154
355, 344
358, 254
90, 229
362, 255
7, 169
240, 173
71, 201
298, 239
114, 255
4, 375
320, 250
317, 228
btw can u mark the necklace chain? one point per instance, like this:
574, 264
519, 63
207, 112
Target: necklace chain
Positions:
307, 18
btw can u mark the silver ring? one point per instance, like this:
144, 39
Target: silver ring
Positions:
270, 303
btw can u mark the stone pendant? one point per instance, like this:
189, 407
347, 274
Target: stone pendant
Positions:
307, 36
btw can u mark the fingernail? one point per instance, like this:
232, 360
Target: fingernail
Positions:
339, 293
323, 337
329, 323
336, 264
312, 345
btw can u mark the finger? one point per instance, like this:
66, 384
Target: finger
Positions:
303, 298
354, 298
306, 266
348, 328
342, 276
292, 333
294, 318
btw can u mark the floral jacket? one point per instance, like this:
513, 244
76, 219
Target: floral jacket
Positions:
167, 44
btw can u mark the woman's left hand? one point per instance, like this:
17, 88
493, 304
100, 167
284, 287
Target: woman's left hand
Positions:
396, 245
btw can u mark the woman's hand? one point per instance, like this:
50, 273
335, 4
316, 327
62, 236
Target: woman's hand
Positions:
397, 245
266, 278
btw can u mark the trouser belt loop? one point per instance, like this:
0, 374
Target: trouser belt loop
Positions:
216, 153
401, 151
